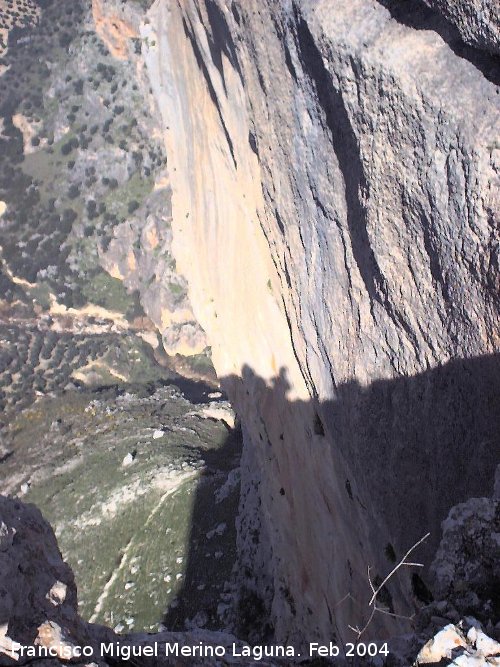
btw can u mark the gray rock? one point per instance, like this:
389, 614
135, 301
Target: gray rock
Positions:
496, 487
346, 194
38, 605
466, 569
37, 589
478, 21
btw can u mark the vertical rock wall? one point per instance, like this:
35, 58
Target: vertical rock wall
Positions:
334, 174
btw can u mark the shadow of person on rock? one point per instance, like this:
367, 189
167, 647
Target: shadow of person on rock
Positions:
397, 453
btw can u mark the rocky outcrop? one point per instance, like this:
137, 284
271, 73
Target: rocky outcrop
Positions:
466, 568
478, 21
39, 623
333, 171
140, 254
463, 649
463, 617
116, 25
38, 603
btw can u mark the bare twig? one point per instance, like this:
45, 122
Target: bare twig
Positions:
396, 568
362, 631
347, 596
390, 613
375, 591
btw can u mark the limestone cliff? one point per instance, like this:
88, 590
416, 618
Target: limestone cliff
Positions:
334, 178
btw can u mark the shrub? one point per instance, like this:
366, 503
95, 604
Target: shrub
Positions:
68, 218
69, 146
92, 209
133, 206
73, 191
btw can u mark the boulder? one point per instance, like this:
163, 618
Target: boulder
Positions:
38, 597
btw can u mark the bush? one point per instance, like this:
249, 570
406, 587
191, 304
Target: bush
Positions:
73, 191
65, 40
92, 209
68, 218
69, 146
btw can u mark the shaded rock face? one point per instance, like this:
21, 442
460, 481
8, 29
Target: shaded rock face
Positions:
38, 608
478, 21
466, 567
334, 172
37, 589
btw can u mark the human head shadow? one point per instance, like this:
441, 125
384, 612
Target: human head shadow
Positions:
414, 445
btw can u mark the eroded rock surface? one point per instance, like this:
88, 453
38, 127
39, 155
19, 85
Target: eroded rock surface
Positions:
38, 601
339, 163
478, 21
466, 568
38, 606
333, 174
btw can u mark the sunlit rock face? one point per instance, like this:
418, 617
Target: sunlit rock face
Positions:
333, 170
115, 25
